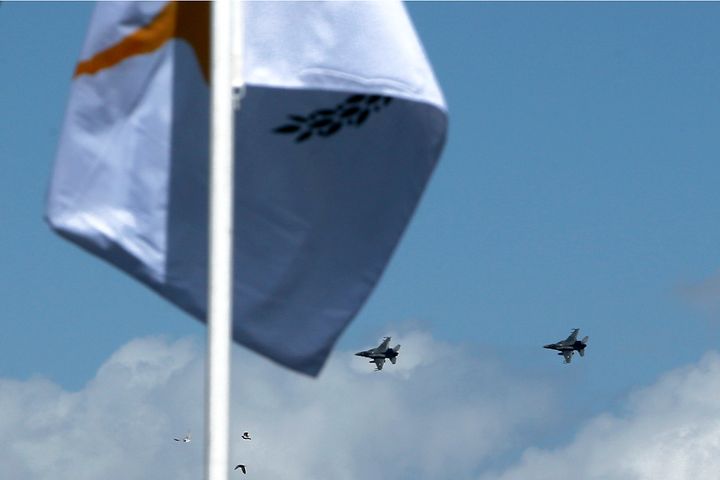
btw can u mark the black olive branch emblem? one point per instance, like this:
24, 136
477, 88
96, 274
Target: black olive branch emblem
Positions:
328, 121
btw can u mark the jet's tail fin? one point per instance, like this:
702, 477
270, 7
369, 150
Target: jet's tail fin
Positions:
581, 351
396, 350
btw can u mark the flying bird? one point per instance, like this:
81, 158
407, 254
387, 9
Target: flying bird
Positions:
246, 436
241, 467
185, 439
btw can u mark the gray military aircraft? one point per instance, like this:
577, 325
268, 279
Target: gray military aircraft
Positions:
567, 347
381, 353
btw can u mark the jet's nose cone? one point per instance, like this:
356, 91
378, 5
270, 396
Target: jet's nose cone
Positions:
359, 354
549, 345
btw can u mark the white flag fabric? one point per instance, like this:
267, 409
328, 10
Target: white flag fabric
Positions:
368, 47
340, 128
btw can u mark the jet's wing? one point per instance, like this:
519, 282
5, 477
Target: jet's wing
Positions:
573, 336
379, 362
568, 355
383, 346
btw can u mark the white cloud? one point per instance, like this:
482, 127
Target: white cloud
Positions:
668, 431
703, 295
440, 412
115, 427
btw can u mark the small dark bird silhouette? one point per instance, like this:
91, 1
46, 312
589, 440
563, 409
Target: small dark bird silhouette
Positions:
241, 467
246, 436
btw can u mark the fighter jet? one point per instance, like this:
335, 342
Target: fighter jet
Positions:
379, 354
567, 347
185, 439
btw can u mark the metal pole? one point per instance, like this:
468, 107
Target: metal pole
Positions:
217, 402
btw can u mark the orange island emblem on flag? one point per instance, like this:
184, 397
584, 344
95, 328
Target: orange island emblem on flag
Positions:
189, 21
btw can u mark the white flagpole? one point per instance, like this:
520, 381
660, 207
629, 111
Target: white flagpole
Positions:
217, 401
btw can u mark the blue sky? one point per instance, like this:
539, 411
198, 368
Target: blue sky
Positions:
578, 188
